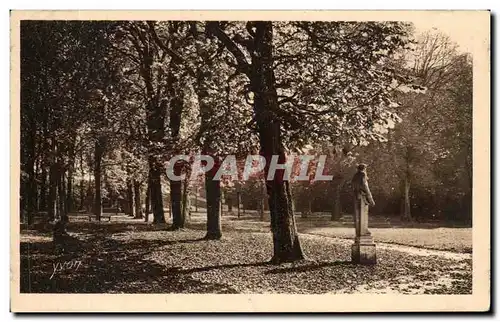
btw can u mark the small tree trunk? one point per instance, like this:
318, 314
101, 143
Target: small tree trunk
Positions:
137, 200
52, 202
82, 194
238, 197
61, 193
43, 189
336, 204
99, 153
148, 202
69, 191
31, 192
130, 198
221, 200
406, 215
196, 199
89, 197
185, 198
229, 202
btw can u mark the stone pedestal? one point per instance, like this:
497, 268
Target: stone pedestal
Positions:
363, 251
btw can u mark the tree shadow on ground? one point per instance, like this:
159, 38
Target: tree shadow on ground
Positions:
107, 266
177, 270
310, 267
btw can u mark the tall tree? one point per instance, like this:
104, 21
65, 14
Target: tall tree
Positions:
340, 80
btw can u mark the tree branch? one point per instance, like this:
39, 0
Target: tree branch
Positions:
215, 30
175, 56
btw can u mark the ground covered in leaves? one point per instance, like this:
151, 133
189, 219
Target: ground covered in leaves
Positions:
454, 239
129, 256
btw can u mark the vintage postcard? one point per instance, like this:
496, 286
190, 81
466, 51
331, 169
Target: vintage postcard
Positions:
250, 161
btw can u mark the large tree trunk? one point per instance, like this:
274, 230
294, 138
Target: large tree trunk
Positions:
156, 196
262, 200
156, 133
285, 237
178, 218
176, 106
212, 188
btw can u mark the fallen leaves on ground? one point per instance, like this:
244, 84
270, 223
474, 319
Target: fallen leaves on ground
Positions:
134, 257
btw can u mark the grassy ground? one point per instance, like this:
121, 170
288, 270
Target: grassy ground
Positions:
129, 256
417, 235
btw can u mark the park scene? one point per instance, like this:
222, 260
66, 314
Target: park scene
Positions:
298, 157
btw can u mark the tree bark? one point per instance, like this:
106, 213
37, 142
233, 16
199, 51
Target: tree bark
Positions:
196, 198
69, 191
130, 198
212, 187
221, 200
176, 107
156, 196
185, 198
262, 200
29, 191
229, 201
137, 200
61, 195
82, 194
285, 237
175, 204
178, 218
148, 201
43, 189
156, 109
406, 215
52, 198
238, 198
99, 149
336, 204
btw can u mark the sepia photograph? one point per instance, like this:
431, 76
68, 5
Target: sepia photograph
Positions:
302, 158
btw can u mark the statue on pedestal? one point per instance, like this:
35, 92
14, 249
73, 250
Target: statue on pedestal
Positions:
363, 249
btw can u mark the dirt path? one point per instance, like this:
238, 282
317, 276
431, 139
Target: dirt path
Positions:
418, 251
